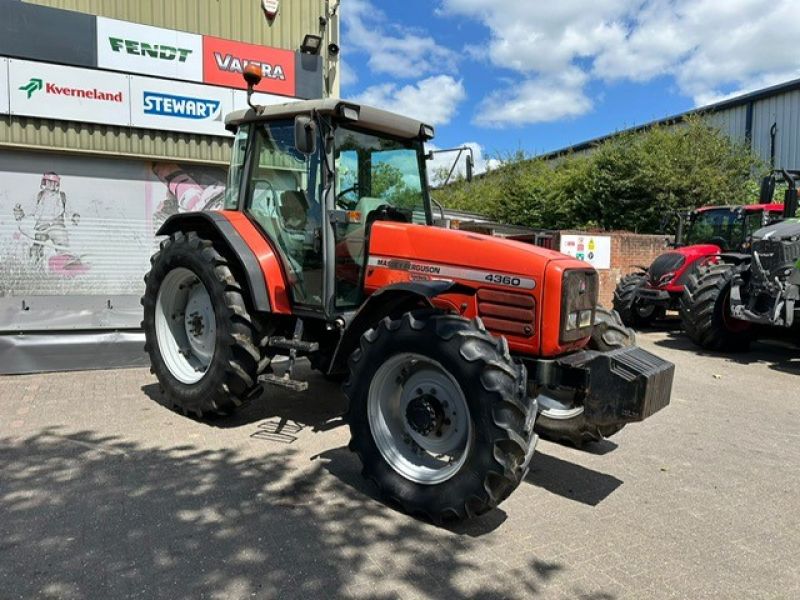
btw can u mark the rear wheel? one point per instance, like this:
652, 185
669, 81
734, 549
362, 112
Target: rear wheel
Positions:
439, 416
198, 331
561, 417
705, 311
632, 310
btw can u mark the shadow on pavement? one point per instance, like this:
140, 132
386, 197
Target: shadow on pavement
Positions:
569, 480
92, 516
777, 353
320, 407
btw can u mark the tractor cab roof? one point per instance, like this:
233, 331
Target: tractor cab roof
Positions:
745, 207
365, 117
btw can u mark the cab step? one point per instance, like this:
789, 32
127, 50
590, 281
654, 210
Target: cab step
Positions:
284, 381
293, 344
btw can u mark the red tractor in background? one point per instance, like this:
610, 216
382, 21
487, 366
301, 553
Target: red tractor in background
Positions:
644, 296
327, 249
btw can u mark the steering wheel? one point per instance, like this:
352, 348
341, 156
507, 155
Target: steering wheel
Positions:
719, 241
348, 204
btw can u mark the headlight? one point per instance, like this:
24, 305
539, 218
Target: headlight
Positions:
578, 299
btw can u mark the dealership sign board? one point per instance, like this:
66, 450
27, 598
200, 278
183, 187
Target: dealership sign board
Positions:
3, 86
134, 48
172, 106
594, 249
57, 92
225, 60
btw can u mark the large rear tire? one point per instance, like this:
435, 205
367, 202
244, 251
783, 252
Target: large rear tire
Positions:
199, 334
439, 416
561, 417
705, 310
632, 310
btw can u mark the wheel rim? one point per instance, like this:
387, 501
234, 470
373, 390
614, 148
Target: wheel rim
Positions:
645, 311
185, 325
419, 418
731, 324
552, 407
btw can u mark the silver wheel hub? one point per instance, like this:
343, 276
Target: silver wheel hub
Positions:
186, 329
554, 407
419, 418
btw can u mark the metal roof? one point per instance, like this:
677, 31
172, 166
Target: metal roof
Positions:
743, 100
368, 117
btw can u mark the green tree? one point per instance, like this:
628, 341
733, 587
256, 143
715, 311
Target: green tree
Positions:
628, 182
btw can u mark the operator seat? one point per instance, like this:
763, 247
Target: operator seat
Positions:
294, 209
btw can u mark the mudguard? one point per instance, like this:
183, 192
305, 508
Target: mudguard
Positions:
214, 225
392, 301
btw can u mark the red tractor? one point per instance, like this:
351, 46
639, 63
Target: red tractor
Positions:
326, 249
644, 296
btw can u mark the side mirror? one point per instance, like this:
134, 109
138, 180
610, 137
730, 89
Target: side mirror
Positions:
470, 167
305, 134
767, 189
790, 203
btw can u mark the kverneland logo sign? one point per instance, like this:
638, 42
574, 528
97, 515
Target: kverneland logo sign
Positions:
35, 84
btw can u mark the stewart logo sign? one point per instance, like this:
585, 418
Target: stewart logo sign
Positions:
183, 107
34, 85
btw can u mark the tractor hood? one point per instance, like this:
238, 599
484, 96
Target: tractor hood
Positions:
697, 250
451, 247
785, 230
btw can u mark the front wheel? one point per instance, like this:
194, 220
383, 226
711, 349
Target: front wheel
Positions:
706, 314
561, 417
439, 416
198, 331
632, 310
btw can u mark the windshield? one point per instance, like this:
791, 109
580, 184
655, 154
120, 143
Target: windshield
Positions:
722, 226
374, 171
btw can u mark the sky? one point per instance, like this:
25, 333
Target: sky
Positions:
539, 75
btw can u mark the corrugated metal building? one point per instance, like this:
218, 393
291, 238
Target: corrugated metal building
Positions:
111, 119
767, 119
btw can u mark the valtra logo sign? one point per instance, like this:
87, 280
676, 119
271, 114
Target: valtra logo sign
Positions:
224, 61
35, 84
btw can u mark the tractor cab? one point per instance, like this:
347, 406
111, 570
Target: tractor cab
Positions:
303, 165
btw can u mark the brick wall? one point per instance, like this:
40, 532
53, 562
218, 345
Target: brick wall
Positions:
627, 251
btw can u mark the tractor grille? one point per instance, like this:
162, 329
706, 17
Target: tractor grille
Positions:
776, 254
507, 312
666, 263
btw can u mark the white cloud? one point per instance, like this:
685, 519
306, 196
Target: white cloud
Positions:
433, 100
536, 100
392, 50
347, 76
713, 49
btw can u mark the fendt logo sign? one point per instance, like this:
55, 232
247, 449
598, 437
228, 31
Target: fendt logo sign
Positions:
183, 107
159, 51
34, 85
225, 60
136, 48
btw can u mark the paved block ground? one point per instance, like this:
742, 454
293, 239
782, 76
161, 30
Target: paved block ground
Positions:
106, 493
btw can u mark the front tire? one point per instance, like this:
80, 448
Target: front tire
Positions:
439, 416
198, 331
561, 417
705, 311
632, 311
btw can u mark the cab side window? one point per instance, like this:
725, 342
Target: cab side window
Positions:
284, 198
